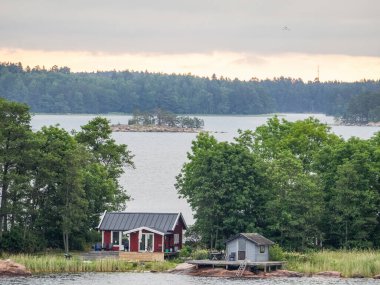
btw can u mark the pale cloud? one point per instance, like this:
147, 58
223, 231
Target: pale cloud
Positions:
347, 27
240, 38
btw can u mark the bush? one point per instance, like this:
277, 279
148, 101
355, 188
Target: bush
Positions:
276, 253
200, 254
185, 251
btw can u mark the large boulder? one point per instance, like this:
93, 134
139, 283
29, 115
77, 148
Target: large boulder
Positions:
333, 274
183, 268
11, 268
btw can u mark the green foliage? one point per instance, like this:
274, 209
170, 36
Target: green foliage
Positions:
186, 251
220, 182
200, 254
350, 263
58, 90
164, 118
276, 253
362, 109
54, 184
58, 264
294, 182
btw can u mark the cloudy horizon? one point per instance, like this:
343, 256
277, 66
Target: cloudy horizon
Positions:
243, 38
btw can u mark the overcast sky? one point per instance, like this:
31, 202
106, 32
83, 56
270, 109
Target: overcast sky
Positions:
234, 38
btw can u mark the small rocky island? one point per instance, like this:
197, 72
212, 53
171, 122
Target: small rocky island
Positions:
160, 121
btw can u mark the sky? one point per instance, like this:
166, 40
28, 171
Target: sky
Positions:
231, 38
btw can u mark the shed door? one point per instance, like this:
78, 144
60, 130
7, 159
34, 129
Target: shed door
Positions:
241, 249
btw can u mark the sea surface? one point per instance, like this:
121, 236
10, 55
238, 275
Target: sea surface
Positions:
167, 278
158, 157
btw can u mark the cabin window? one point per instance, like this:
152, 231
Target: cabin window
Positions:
115, 238
262, 248
176, 238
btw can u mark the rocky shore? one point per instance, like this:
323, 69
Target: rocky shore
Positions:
10, 268
152, 128
189, 269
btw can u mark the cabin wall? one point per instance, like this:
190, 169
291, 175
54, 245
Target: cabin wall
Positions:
262, 256
252, 251
179, 230
157, 243
232, 246
134, 241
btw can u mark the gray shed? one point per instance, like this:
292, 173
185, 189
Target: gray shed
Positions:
248, 246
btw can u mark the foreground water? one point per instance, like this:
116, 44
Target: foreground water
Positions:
166, 278
160, 156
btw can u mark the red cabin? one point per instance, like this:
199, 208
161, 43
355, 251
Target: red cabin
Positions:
142, 232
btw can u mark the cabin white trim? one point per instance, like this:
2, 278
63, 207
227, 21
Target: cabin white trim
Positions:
101, 219
144, 228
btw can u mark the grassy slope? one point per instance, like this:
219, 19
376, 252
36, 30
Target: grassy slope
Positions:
58, 264
349, 263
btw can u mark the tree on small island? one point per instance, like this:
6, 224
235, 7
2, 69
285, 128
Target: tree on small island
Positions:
362, 109
160, 117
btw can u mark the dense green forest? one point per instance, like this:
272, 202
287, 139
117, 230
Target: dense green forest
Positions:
57, 90
54, 184
295, 182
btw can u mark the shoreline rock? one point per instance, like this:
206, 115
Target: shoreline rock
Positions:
10, 268
331, 274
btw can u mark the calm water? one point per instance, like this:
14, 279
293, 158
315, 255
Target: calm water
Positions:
160, 156
166, 278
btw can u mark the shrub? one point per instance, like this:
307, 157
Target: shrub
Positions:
185, 251
200, 254
276, 253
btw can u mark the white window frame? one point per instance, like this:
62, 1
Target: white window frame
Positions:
120, 236
146, 241
176, 238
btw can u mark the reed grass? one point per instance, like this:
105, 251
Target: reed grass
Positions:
39, 264
351, 263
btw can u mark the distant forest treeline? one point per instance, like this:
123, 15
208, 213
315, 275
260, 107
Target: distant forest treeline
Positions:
58, 90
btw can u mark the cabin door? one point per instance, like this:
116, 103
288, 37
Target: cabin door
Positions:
146, 242
241, 249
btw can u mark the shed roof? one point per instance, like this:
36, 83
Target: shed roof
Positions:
125, 221
254, 237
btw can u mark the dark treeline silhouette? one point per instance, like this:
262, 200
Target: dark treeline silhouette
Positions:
57, 90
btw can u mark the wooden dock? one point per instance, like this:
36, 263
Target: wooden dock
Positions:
265, 265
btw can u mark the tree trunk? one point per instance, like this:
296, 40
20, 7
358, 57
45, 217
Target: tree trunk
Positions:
66, 242
4, 200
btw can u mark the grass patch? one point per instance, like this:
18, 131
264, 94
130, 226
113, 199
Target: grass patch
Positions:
350, 263
39, 264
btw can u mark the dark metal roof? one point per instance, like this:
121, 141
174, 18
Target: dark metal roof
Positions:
254, 237
123, 221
